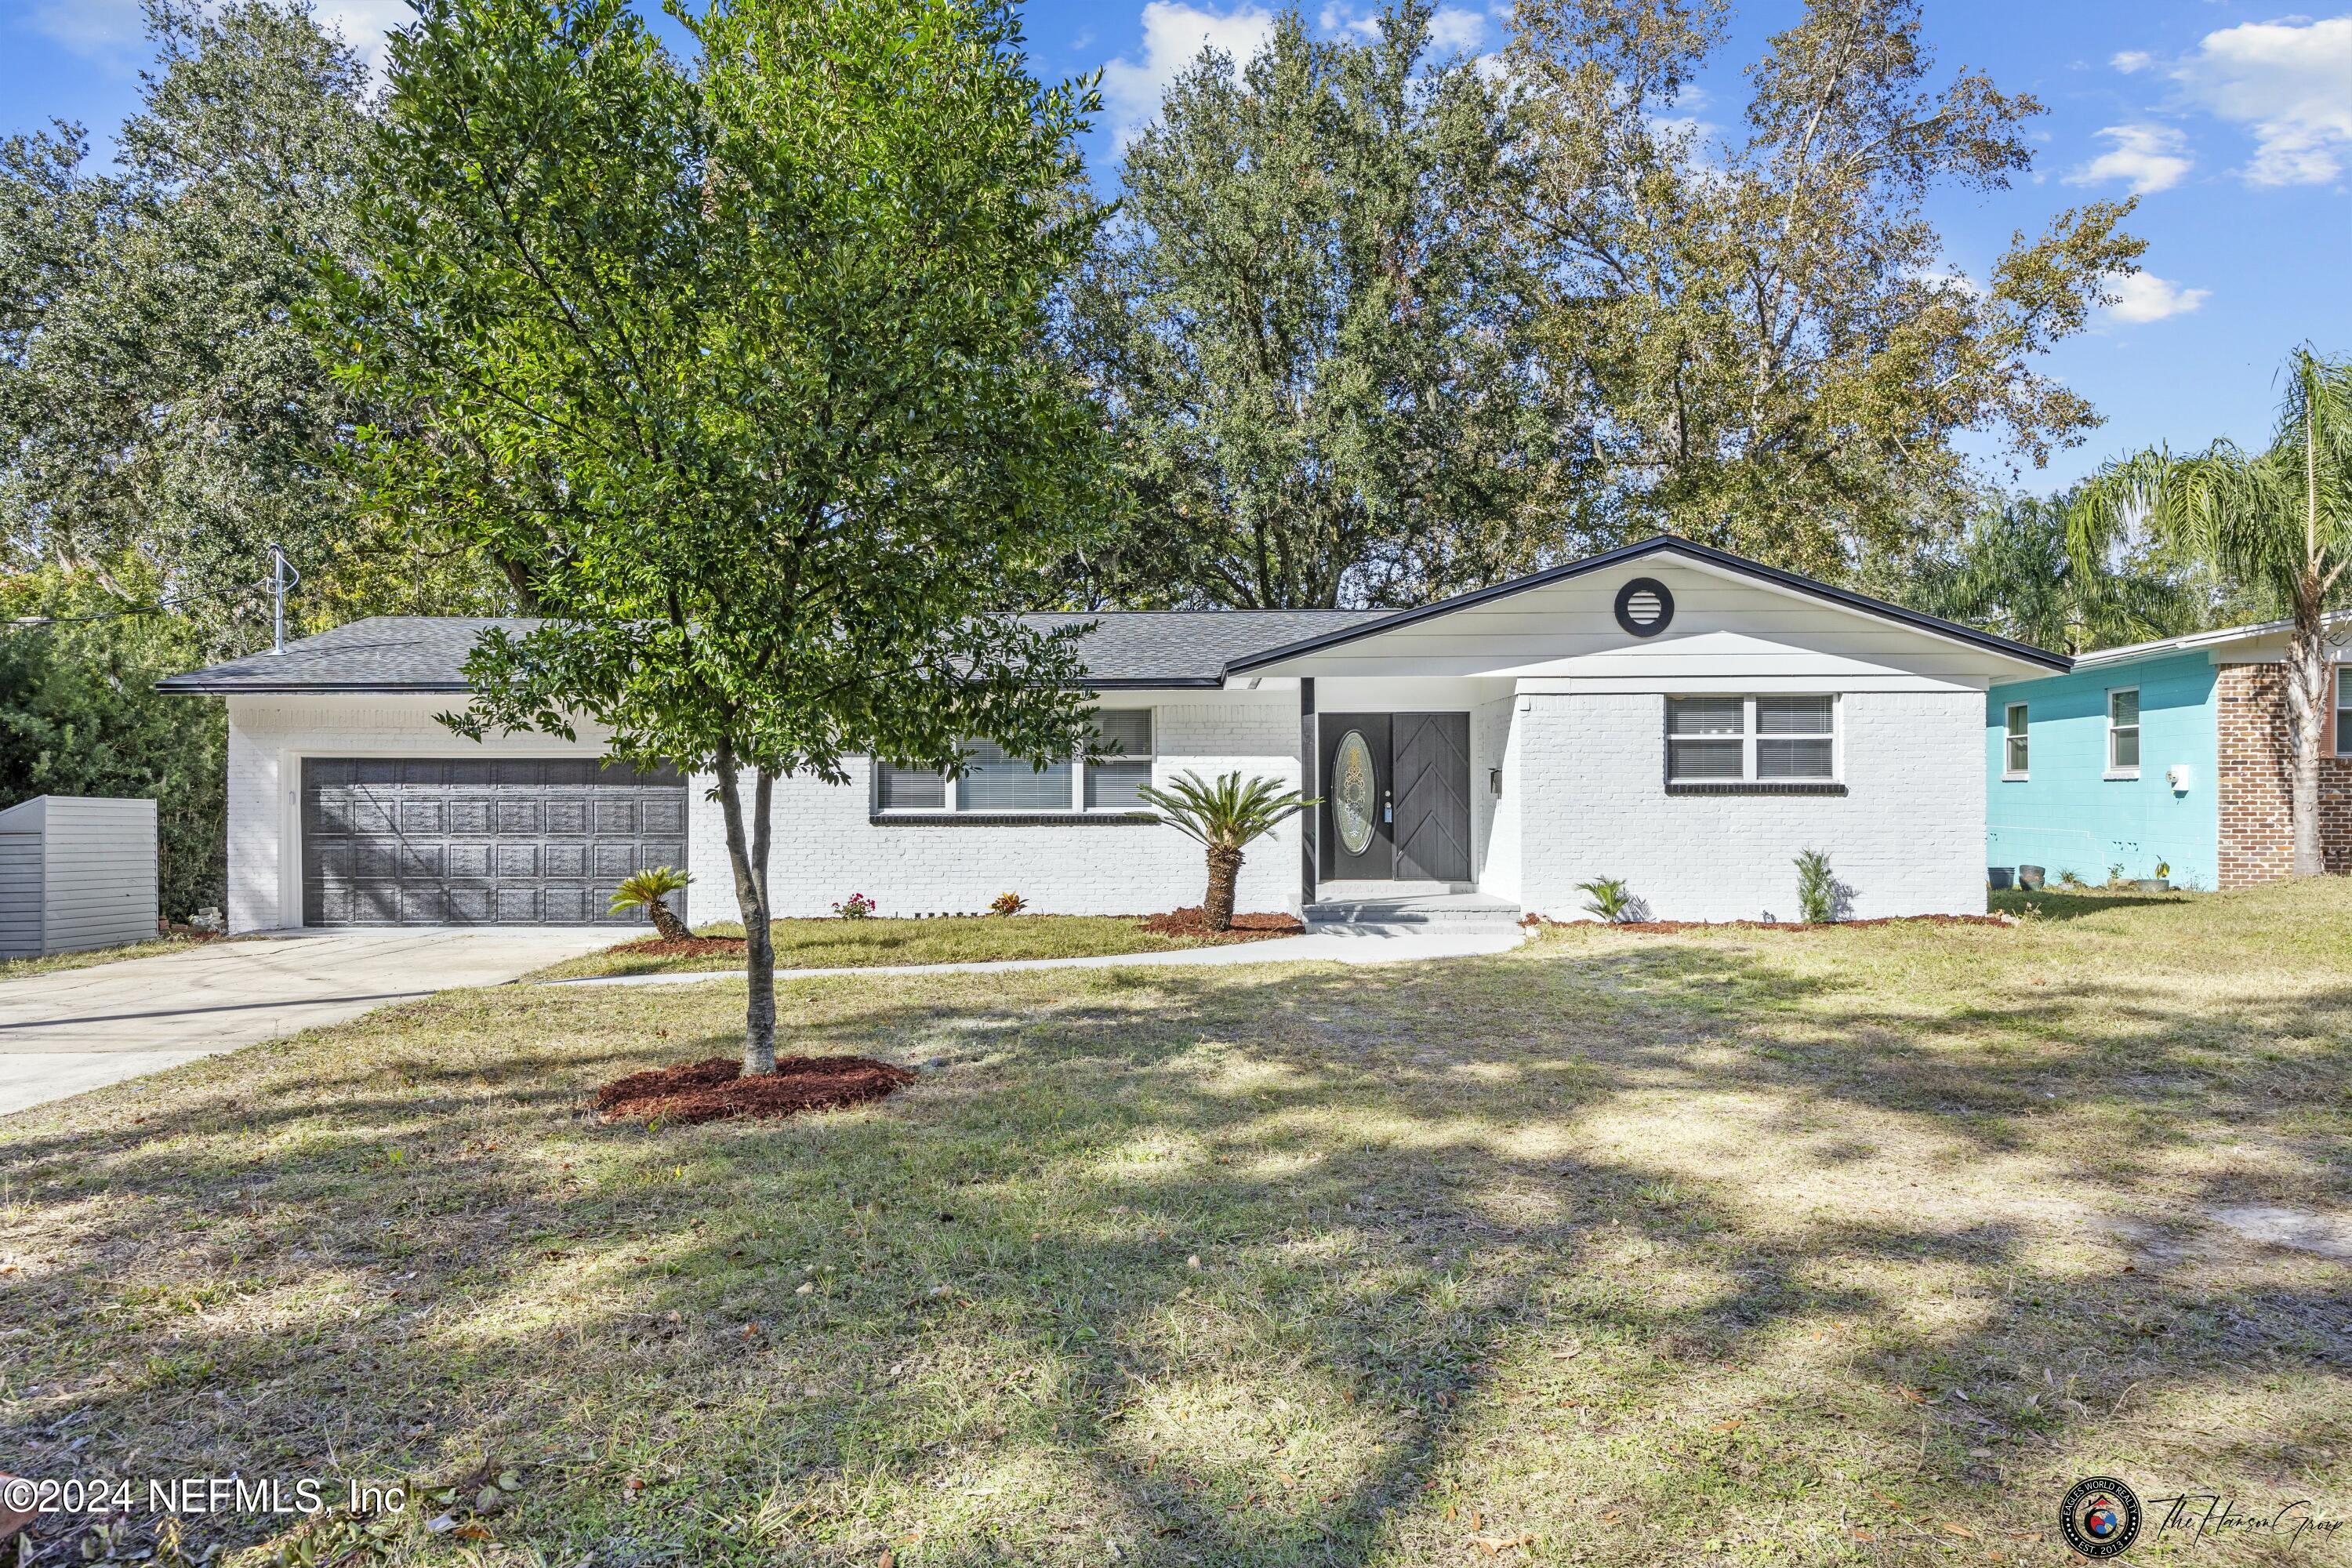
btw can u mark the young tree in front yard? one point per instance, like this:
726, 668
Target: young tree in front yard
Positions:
747, 356
2280, 516
1225, 818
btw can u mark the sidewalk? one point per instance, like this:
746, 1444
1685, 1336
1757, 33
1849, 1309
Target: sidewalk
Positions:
1357, 944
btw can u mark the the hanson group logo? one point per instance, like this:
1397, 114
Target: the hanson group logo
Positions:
2100, 1517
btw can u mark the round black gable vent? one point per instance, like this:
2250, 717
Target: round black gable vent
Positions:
1644, 607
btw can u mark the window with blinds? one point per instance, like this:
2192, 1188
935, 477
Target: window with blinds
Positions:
1755, 740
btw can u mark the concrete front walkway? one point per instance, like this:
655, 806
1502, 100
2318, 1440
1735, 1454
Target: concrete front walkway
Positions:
1348, 944
75, 1029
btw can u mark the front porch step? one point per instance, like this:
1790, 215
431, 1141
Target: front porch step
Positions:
1449, 912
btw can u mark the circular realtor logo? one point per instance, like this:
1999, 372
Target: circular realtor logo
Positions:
2100, 1517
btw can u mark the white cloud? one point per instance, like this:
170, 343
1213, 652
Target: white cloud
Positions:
2291, 81
2143, 296
1173, 36
2148, 157
1339, 18
1457, 31
117, 29
2131, 61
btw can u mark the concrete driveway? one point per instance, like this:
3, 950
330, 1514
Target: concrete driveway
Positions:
78, 1028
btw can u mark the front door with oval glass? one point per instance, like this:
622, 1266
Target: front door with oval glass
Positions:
1358, 805
1396, 797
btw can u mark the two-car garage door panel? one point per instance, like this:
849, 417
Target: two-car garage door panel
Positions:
481, 841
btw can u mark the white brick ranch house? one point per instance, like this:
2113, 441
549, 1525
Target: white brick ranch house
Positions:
1680, 717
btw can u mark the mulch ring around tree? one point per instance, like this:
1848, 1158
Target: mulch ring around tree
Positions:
1192, 921
715, 1088
683, 947
1671, 926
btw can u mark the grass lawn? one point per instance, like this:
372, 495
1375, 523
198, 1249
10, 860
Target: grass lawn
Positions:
947, 939
1741, 1247
50, 962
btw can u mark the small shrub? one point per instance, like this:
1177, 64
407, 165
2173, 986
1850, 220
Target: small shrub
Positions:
1007, 904
647, 890
1608, 898
2163, 868
1818, 893
2116, 875
855, 907
2070, 879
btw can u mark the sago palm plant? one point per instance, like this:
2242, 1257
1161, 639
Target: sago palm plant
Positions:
647, 890
1223, 817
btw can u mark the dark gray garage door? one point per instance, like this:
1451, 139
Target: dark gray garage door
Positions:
402, 841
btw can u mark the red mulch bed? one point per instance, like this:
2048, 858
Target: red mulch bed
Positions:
715, 1088
1671, 926
684, 947
1191, 922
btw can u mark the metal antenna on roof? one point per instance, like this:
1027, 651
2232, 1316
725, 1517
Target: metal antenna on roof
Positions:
279, 568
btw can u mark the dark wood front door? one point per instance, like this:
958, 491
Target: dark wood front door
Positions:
1432, 818
1356, 799
1396, 796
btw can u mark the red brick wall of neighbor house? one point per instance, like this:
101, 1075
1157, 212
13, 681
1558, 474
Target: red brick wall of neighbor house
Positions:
2255, 745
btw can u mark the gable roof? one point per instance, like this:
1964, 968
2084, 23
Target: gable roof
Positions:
1138, 650
427, 653
1658, 544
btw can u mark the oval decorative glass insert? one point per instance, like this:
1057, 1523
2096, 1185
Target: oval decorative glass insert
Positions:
1355, 792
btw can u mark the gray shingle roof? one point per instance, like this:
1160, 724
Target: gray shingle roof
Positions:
426, 653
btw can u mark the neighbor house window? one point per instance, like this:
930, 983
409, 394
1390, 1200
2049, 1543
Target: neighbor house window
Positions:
2343, 711
2013, 765
1759, 739
2123, 732
995, 784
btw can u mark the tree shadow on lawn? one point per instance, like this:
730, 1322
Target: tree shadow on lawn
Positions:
1540, 1246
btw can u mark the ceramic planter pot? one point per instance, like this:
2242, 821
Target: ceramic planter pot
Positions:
2029, 878
1999, 877
2154, 885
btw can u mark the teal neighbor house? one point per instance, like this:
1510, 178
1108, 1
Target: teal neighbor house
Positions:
2168, 753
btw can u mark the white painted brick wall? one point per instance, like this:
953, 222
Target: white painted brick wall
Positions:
1908, 835
826, 847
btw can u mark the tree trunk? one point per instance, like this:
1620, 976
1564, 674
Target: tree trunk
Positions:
1225, 870
746, 853
667, 926
2306, 701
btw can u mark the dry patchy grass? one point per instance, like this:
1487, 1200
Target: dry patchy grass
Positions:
1766, 1249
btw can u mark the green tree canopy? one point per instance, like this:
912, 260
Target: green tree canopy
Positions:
2014, 570
1310, 328
159, 401
747, 360
1774, 353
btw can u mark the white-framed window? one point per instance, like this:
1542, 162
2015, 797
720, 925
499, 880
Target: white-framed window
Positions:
1751, 739
2014, 742
995, 784
2343, 713
2123, 732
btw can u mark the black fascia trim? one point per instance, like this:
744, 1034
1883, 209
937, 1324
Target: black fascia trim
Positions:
1008, 819
1760, 787
187, 684
1651, 546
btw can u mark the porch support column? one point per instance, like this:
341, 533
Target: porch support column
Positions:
1308, 820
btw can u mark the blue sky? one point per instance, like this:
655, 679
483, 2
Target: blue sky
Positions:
2232, 120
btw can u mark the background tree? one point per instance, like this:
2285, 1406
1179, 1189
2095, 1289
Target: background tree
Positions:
754, 356
1311, 332
1776, 358
2280, 516
80, 714
2014, 570
161, 412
